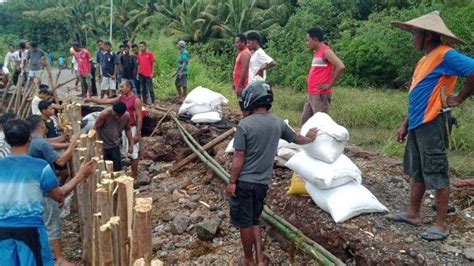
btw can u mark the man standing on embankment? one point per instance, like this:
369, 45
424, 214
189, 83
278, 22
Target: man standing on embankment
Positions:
434, 78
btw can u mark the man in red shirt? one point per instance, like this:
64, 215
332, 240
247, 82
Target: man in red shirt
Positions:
134, 109
146, 61
242, 62
326, 70
83, 58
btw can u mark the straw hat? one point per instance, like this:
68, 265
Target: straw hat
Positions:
430, 22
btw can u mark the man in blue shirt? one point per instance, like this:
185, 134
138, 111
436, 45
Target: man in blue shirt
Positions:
182, 71
426, 128
23, 239
41, 149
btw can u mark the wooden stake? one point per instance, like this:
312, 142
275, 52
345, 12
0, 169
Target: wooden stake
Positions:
140, 242
64, 83
161, 120
105, 245
209, 145
124, 211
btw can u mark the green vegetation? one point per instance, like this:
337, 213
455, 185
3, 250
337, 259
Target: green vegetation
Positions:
379, 59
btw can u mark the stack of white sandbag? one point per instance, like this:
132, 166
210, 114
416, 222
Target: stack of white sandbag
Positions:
331, 179
203, 105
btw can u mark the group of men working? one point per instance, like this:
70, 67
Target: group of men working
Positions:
255, 143
425, 161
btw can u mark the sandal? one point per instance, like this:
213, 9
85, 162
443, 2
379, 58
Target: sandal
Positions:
399, 217
431, 234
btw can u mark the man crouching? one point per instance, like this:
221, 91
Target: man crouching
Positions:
255, 143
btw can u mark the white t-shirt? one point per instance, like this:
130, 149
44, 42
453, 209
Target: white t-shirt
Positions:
34, 105
11, 59
258, 59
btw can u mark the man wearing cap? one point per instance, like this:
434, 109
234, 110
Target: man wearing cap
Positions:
426, 126
182, 71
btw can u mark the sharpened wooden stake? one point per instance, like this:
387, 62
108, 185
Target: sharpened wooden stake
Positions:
141, 241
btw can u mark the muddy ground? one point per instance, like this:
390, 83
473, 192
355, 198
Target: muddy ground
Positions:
194, 196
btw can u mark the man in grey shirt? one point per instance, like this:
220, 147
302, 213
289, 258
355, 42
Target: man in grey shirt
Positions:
255, 144
36, 59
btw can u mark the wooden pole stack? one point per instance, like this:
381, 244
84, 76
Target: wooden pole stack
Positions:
115, 226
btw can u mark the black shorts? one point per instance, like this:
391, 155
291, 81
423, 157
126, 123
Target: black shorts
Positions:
115, 156
426, 153
181, 82
247, 205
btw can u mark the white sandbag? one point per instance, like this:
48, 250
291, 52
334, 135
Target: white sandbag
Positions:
331, 139
202, 100
325, 175
281, 143
209, 117
230, 147
345, 202
287, 153
281, 162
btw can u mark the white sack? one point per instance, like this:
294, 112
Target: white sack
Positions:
202, 100
331, 139
287, 153
208, 117
345, 202
325, 175
281, 143
230, 147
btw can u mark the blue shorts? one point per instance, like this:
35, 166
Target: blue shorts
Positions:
16, 253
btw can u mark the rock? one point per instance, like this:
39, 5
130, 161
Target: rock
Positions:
446, 248
144, 178
221, 215
180, 224
409, 239
168, 216
176, 196
469, 253
154, 168
196, 217
163, 254
190, 205
420, 259
207, 230
157, 243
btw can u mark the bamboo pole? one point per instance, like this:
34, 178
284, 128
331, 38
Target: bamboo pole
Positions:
5, 90
318, 253
19, 84
64, 83
209, 145
26, 103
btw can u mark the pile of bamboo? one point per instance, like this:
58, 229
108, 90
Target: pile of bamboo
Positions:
116, 226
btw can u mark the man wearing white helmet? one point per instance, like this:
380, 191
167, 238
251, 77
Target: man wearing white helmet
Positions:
182, 72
